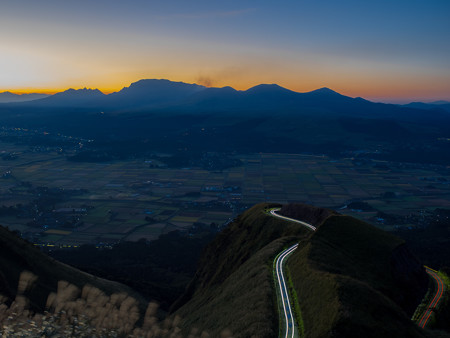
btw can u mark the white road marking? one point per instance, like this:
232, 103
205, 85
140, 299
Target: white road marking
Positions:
274, 213
288, 316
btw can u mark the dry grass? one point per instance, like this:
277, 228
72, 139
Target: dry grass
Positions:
86, 312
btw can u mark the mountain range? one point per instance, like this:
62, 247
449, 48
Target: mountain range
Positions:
161, 115
175, 96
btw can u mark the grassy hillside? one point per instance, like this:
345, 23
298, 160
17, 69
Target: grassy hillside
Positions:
77, 304
351, 279
233, 287
306, 213
354, 280
17, 256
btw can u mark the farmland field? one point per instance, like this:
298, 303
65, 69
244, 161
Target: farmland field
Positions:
129, 200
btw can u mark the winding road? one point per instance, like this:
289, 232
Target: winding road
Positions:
290, 328
437, 297
273, 212
288, 318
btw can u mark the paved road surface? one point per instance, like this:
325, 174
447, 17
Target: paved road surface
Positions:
290, 328
436, 299
309, 226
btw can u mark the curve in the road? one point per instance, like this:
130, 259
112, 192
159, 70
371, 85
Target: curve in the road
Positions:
290, 328
273, 212
435, 301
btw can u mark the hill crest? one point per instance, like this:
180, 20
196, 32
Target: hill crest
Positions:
244, 253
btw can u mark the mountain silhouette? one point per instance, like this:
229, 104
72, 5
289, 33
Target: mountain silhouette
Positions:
273, 99
71, 98
152, 92
266, 117
264, 99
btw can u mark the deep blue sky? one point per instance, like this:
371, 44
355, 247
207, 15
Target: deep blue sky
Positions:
382, 50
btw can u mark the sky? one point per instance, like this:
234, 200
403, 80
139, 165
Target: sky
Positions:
390, 51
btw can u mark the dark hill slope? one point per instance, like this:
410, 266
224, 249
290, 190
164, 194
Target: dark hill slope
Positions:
354, 280
306, 213
17, 255
233, 286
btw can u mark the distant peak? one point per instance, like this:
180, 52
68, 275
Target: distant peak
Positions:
267, 88
149, 81
267, 85
324, 90
159, 82
226, 88
85, 92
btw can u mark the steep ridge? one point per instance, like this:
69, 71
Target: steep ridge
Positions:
233, 287
352, 279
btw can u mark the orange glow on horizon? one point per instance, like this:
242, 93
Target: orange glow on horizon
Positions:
372, 89
21, 91
48, 48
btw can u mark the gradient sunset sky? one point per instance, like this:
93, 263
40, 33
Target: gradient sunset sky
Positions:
391, 51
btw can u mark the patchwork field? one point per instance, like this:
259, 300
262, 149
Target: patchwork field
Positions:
132, 200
